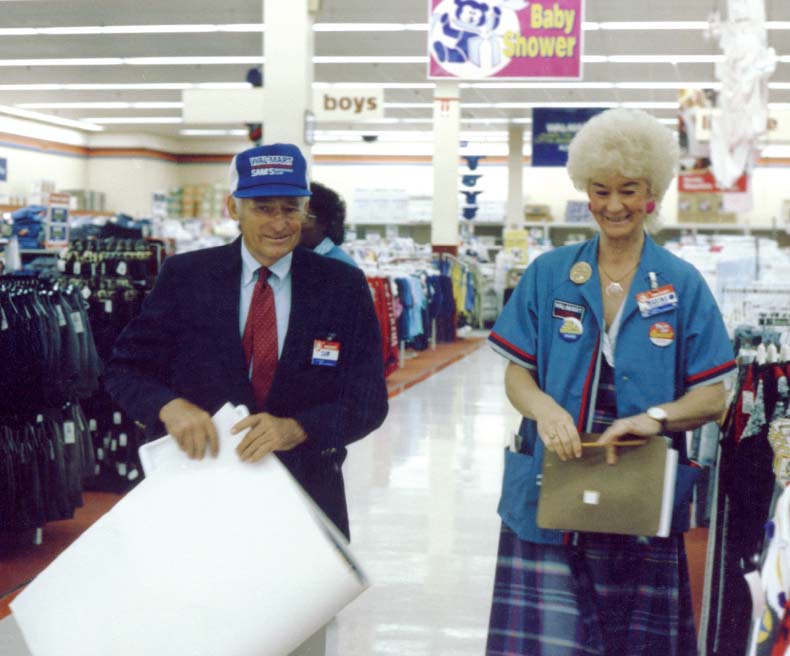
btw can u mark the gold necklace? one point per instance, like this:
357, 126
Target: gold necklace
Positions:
614, 288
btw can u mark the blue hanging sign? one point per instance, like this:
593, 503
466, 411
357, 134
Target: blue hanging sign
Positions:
552, 132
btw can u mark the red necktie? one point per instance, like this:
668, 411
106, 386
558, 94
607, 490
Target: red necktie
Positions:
260, 338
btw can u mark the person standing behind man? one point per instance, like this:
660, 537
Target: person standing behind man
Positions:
264, 323
324, 230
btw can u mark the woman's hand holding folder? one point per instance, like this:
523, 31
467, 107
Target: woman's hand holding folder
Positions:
636, 426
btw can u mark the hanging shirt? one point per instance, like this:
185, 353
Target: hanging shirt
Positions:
280, 282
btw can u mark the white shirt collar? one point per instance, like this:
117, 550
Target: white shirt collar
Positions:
249, 266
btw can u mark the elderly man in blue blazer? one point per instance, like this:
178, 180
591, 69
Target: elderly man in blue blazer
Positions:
261, 322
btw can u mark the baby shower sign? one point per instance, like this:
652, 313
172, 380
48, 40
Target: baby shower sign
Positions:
505, 39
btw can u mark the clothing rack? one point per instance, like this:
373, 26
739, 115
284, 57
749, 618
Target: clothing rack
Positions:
50, 364
752, 469
116, 275
485, 304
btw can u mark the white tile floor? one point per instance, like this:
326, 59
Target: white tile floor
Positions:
422, 494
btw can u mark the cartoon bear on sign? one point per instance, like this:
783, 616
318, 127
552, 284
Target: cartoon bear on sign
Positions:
471, 20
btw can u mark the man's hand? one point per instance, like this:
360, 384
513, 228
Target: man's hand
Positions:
267, 433
191, 426
640, 425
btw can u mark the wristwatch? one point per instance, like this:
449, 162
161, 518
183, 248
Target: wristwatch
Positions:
660, 415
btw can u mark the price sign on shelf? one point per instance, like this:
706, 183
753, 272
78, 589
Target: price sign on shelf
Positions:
57, 221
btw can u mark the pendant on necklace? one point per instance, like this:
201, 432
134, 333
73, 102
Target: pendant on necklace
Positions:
614, 289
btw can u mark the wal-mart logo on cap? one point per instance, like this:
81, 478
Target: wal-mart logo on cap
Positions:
273, 170
271, 165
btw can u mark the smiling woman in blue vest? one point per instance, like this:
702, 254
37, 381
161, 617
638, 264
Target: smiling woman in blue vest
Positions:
585, 357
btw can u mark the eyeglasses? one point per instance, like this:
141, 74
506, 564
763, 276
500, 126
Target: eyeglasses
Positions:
269, 211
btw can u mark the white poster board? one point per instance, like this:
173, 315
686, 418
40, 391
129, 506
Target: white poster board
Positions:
202, 558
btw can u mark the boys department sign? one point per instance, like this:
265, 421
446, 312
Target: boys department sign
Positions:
505, 39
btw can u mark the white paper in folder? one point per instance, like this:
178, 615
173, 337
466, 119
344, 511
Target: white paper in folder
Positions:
203, 557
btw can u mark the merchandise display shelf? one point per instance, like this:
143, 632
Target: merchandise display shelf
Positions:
14, 208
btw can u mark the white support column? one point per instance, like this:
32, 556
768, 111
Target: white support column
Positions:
446, 133
288, 46
515, 178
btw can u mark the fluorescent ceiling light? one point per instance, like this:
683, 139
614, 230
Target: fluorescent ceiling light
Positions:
485, 121
530, 105
102, 105
86, 124
644, 26
122, 120
84, 61
132, 61
152, 86
378, 120
374, 59
213, 133
206, 61
352, 59
374, 85
667, 85
408, 105
664, 59
537, 85
572, 104
129, 29
203, 29
190, 61
370, 27
649, 104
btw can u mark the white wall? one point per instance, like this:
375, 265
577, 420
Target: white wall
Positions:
27, 166
191, 174
129, 182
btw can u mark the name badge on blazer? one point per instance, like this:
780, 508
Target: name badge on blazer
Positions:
326, 353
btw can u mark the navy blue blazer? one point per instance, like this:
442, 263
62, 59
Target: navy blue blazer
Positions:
186, 343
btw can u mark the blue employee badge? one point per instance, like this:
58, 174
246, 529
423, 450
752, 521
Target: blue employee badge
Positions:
326, 353
657, 301
571, 329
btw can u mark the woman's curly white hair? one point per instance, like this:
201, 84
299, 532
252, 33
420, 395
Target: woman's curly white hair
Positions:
627, 142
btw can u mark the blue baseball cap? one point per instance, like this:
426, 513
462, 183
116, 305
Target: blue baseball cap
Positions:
273, 170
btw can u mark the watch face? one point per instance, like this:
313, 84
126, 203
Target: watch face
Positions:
659, 414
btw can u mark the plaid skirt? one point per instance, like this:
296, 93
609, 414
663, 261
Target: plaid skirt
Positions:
608, 595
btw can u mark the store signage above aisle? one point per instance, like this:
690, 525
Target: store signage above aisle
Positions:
223, 106
552, 132
703, 182
348, 104
505, 39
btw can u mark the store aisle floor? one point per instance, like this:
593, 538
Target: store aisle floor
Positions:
422, 494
